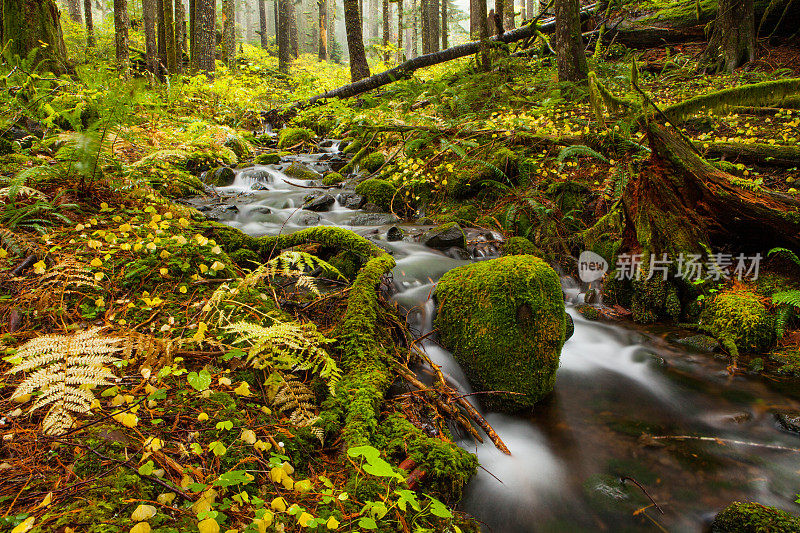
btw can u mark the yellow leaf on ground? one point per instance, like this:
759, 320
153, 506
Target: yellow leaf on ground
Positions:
243, 389
143, 512
141, 527
25, 526
209, 525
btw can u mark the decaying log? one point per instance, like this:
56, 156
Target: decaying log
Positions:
759, 154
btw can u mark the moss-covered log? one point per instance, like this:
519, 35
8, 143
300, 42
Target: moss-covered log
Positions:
758, 154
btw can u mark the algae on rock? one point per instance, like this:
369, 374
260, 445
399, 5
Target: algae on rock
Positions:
505, 322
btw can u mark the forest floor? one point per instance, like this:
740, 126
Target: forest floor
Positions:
219, 395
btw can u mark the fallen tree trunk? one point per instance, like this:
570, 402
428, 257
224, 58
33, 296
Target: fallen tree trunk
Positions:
759, 154
404, 70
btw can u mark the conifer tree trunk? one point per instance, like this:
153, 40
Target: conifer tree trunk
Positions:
733, 42
386, 31
162, 34
27, 22
151, 47
170, 51
355, 41
121, 25
294, 35
193, 35
400, 31
262, 23
478, 29
570, 54
229, 32
74, 10
508, 15
205, 21
414, 29
180, 33
531, 9
433, 24
445, 16
284, 52
499, 8
323, 29
87, 12
424, 12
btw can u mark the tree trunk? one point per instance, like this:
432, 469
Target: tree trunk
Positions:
28, 24
355, 42
478, 30
121, 25
433, 24
386, 31
445, 16
294, 35
206, 35
229, 32
323, 29
169, 37
400, 31
531, 9
162, 34
424, 12
74, 9
508, 15
414, 29
570, 54
284, 52
151, 47
193, 35
180, 33
262, 23
733, 42
499, 10
87, 10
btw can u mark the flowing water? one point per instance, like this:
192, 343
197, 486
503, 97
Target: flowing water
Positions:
590, 457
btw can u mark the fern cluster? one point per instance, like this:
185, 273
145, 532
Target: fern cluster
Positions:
66, 366
297, 400
788, 302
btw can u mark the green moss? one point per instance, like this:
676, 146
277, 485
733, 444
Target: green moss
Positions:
268, 158
471, 175
347, 263
504, 320
373, 162
352, 146
296, 170
289, 137
463, 211
520, 246
332, 178
589, 312
569, 196
419, 148
740, 320
239, 146
379, 192
754, 518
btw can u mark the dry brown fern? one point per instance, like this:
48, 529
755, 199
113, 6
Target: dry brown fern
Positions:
66, 366
151, 351
17, 243
296, 399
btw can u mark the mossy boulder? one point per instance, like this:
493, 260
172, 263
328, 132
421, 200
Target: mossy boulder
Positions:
373, 162
220, 177
469, 178
239, 146
302, 172
740, 319
289, 137
520, 246
444, 237
332, 178
504, 320
754, 518
350, 146
377, 191
268, 158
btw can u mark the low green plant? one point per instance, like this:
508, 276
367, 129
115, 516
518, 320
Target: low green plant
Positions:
788, 302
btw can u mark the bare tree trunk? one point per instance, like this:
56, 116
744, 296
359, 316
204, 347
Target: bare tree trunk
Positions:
445, 16
229, 32
262, 21
206, 35
508, 15
478, 30
121, 25
400, 31
284, 52
26, 24
433, 21
531, 9
323, 29
87, 9
570, 54
180, 33
425, 17
294, 35
193, 35
733, 42
162, 33
74, 9
355, 42
414, 29
386, 31
151, 47
499, 9
169, 37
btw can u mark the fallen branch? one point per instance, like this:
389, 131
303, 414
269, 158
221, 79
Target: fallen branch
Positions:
759, 154
727, 441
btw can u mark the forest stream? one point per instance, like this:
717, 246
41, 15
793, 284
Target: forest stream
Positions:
604, 446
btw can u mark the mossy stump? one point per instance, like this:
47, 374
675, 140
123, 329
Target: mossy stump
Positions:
505, 322
754, 518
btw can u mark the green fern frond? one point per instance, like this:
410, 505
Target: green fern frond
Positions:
787, 298
788, 253
578, 150
783, 315
460, 152
747, 95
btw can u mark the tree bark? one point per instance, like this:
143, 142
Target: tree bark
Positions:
434, 15
229, 32
206, 35
121, 25
425, 26
733, 42
193, 35
294, 34
531, 9
284, 52
180, 33
87, 9
323, 29
151, 47
478, 30
759, 154
499, 10
508, 15
570, 54
27, 22
355, 42
445, 16
386, 31
74, 9
170, 51
414, 29
400, 31
262, 23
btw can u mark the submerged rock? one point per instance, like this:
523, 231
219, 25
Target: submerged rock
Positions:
320, 203
351, 200
701, 343
373, 219
445, 236
220, 177
789, 421
504, 320
752, 517
307, 218
394, 234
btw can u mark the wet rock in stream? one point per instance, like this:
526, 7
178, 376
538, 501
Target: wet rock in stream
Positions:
318, 202
444, 237
373, 219
351, 200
